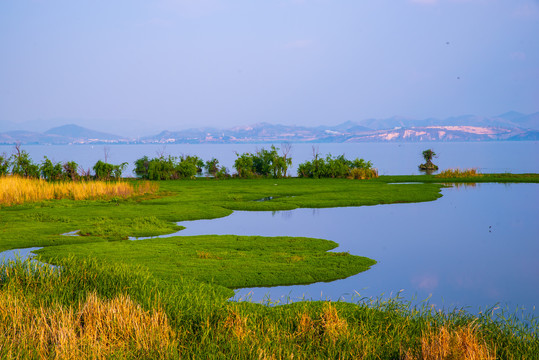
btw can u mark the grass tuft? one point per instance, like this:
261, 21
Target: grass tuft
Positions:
362, 174
458, 173
461, 343
95, 328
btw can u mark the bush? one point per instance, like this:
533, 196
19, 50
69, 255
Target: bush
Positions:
71, 171
4, 164
264, 163
51, 171
22, 165
168, 168
106, 171
336, 167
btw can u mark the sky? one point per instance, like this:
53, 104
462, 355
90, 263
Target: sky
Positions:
176, 64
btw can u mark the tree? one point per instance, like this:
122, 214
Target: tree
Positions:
50, 171
168, 168
22, 165
264, 163
428, 155
106, 171
4, 164
212, 166
71, 171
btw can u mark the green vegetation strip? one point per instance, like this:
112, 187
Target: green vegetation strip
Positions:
478, 178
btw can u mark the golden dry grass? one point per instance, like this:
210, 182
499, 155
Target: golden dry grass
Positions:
17, 190
236, 323
458, 173
462, 344
362, 174
97, 329
330, 326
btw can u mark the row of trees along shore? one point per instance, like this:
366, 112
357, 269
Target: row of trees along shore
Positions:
262, 163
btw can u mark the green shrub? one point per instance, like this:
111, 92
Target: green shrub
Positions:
263, 163
106, 171
336, 167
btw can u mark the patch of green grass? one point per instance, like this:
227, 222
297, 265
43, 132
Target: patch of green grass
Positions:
230, 261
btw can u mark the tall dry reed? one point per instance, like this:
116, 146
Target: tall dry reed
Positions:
458, 173
17, 190
363, 174
460, 343
95, 329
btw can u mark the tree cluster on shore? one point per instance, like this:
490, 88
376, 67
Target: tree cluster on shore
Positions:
261, 164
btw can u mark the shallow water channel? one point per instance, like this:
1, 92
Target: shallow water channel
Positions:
474, 247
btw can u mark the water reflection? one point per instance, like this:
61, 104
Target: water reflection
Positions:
474, 247
462, 185
21, 254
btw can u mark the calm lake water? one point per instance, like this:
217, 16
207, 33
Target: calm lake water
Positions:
474, 247
389, 158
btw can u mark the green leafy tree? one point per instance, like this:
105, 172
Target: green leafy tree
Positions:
106, 171
51, 171
162, 168
263, 163
22, 164
141, 167
186, 169
212, 166
244, 165
5, 164
71, 171
195, 160
168, 168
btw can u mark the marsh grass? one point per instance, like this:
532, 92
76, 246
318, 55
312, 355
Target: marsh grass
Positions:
94, 328
458, 173
460, 343
18, 190
363, 174
89, 309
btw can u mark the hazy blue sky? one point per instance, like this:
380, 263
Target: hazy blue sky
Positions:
172, 64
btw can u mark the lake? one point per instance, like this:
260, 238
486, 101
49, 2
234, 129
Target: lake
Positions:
388, 158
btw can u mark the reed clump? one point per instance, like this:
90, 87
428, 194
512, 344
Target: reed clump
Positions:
96, 328
458, 173
15, 190
460, 343
363, 174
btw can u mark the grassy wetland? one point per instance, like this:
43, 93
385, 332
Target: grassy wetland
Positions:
168, 298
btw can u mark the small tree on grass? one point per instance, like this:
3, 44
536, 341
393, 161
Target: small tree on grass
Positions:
428, 165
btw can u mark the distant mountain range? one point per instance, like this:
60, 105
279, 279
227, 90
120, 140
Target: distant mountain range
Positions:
508, 126
61, 135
